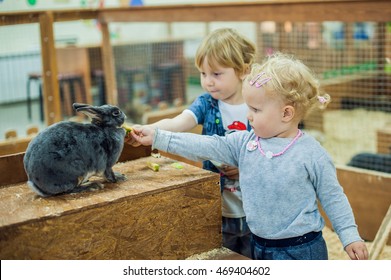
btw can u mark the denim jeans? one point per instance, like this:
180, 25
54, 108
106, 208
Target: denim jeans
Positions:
237, 235
315, 249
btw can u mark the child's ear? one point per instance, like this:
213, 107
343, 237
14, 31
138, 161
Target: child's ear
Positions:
245, 72
243, 77
288, 113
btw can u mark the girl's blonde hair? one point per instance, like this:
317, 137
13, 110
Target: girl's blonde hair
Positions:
225, 47
292, 81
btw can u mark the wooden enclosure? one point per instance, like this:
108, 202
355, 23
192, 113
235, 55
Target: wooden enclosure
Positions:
156, 215
170, 214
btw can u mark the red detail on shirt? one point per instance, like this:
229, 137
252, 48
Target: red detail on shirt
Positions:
237, 125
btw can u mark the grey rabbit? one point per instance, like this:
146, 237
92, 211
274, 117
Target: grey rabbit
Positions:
62, 158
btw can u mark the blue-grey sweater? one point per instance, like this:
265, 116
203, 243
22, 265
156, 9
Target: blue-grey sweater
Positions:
280, 195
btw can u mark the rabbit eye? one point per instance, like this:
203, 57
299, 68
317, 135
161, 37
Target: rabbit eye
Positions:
116, 113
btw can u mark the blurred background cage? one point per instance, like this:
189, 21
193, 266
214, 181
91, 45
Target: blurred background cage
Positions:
142, 58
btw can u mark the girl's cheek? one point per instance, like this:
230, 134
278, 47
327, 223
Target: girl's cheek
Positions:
249, 117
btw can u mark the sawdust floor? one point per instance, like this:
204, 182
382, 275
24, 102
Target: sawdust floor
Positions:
334, 247
336, 251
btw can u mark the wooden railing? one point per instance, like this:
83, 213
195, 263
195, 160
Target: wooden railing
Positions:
298, 11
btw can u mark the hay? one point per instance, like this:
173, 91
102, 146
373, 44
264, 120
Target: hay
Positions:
336, 251
334, 247
348, 132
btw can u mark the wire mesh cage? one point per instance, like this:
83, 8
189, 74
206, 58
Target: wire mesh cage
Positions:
353, 65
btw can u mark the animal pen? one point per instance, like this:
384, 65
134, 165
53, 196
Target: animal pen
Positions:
142, 59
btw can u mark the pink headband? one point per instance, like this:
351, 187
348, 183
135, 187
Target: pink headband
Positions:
261, 82
322, 100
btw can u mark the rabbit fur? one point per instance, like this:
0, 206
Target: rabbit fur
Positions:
62, 158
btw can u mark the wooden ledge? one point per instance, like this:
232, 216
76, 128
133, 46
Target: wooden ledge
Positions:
20, 204
169, 214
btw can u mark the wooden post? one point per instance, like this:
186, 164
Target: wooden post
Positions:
259, 41
108, 66
381, 236
51, 94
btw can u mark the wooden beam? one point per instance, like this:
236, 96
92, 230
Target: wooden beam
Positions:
51, 93
347, 11
108, 66
381, 237
289, 10
12, 18
71, 15
14, 146
12, 169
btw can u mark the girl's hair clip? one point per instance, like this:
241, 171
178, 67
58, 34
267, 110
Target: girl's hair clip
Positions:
322, 100
261, 82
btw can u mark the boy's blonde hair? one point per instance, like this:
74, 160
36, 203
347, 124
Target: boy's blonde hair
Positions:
225, 47
292, 81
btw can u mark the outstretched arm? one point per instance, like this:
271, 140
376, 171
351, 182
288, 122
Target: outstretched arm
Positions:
182, 122
143, 135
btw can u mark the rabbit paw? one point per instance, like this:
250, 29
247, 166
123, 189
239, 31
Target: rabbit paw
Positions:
119, 177
114, 177
88, 186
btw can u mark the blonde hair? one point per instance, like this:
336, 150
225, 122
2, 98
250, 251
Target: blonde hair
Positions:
292, 81
227, 48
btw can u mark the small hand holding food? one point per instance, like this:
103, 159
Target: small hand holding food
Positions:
143, 134
128, 136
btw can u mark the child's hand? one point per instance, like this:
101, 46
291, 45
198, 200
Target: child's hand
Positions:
357, 250
129, 139
143, 134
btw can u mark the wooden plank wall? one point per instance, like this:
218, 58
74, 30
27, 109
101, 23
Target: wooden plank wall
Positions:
369, 193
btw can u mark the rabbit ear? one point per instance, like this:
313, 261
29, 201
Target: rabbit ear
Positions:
78, 106
90, 111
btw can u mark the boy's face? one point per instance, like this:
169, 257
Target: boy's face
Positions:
265, 112
222, 83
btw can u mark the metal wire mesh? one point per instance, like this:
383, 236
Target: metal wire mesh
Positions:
154, 66
352, 63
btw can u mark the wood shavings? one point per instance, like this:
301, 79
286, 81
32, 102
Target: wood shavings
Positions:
336, 251
210, 255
